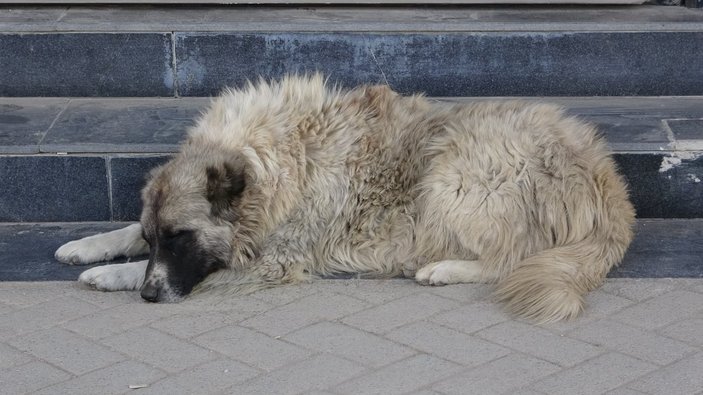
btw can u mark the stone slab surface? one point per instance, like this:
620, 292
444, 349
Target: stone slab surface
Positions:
662, 248
46, 349
153, 125
27, 251
152, 51
658, 140
661, 186
451, 64
128, 176
25, 122
345, 18
121, 125
53, 188
70, 64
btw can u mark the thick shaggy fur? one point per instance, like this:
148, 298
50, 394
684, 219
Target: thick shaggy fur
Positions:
285, 180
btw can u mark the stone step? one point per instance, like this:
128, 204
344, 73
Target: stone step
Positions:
662, 248
441, 50
65, 160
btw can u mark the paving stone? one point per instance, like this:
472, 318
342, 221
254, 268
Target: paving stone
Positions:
190, 324
208, 378
682, 377
688, 330
301, 377
30, 377
464, 292
285, 294
341, 340
540, 342
106, 300
447, 343
5, 308
501, 376
595, 376
624, 391
114, 379
697, 287
473, 317
598, 305
10, 357
401, 377
66, 350
159, 349
43, 315
58, 320
374, 291
303, 312
663, 310
253, 348
119, 319
633, 341
400, 312
639, 289
19, 294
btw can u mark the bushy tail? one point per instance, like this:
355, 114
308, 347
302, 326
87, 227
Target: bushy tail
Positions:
549, 286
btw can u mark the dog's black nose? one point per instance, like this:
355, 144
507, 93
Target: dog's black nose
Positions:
150, 293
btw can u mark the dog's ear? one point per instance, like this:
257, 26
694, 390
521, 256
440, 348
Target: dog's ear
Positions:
224, 184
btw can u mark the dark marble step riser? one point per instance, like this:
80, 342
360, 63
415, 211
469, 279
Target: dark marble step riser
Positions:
438, 63
106, 188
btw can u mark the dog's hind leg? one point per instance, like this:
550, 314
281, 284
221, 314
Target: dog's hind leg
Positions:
120, 277
104, 246
452, 272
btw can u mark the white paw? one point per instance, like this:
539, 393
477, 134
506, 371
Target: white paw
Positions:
82, 252
449, 272
424, 275
121, 277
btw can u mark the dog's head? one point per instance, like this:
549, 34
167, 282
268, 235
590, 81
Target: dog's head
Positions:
190, 218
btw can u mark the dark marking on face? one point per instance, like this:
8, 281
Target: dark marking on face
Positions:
186, 264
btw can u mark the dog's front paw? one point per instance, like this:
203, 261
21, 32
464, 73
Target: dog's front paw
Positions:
82, 252
432, 274
121, 277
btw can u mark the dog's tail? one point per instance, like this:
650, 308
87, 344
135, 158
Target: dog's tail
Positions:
549, 285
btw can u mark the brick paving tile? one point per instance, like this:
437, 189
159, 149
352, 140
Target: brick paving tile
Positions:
29, 377
66, 350
633, 341
319, 372
159, 349
114, 379
682, 377
500, 376
401, 377
350, 343
399, 312
637, 336
251, 347
540, 342
598, 375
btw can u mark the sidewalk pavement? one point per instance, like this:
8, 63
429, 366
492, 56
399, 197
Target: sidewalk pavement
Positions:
349, 337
